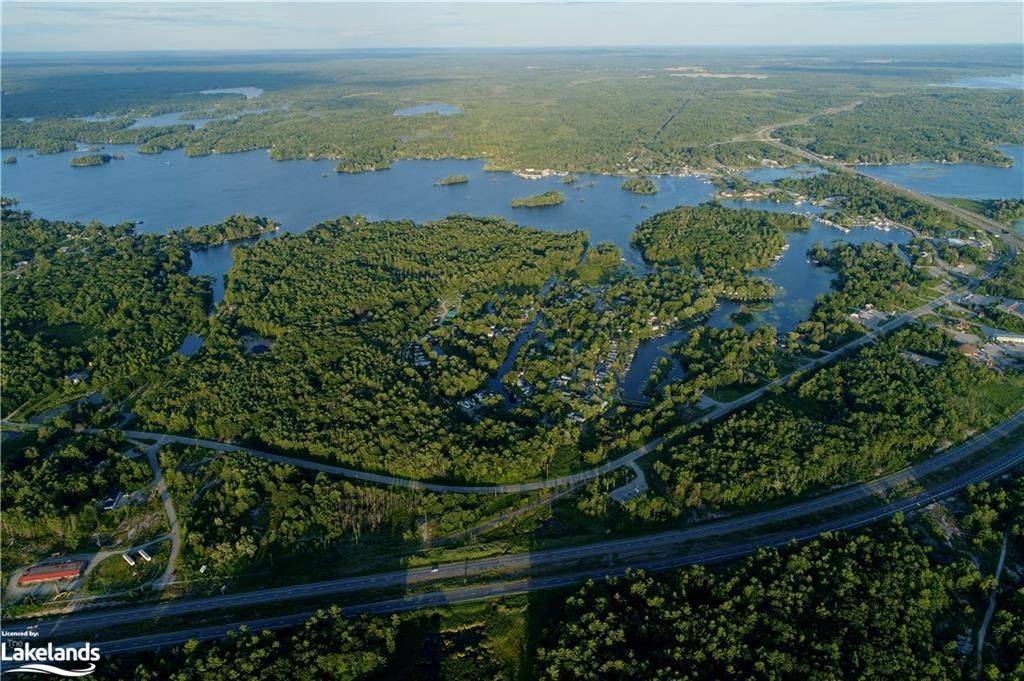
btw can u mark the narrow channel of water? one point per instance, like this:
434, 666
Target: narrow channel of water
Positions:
648, 353
496, 384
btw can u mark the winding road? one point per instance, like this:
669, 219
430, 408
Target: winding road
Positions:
172, 518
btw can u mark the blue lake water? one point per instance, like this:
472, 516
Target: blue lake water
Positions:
798, 282
213, 262
648, 353
191, 345
771, 174
496, 383
1010, 82
965, 180
423, 109
248, 92
170, 190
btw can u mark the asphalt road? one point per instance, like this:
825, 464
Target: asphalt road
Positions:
632, 548
731, 551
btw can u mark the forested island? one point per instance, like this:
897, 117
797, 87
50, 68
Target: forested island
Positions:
452, 179
549, 198
713, 237
640, 185
91, 160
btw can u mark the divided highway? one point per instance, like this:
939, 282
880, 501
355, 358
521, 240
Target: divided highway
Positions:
636, 550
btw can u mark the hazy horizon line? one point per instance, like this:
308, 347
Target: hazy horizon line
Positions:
520, 48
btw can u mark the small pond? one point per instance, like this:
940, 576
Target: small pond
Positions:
424, 109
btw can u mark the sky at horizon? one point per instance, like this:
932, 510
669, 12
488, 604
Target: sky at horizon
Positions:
137, 26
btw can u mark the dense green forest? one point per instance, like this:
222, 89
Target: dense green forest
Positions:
730, 357
942, 126
1003, 210
92, 305
1008, 282
343, 309
272, 515
877, 604
712, 238
600, 264
327, 646
870, 606
729, 156
50, 136
873, 412
388, 346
